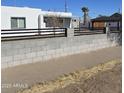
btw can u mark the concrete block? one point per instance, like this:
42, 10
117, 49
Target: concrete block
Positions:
18, 46
70, 32
23, 51
50, 52
30, 44
19, 57
28, 50
37, 59
58, 51
44, 58
20, 51
11, 64
3, 59
31, 55
41, 42
19, 62
65, 54
7, 59
26, 61
6, 45
3, 53
41, 48
41, 53
12, 52
4, 65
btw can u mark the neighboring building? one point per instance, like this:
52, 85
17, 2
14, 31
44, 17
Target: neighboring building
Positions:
78, 22
24, 17
75, 22
113, 21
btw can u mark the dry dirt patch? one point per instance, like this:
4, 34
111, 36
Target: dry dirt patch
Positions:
104, 78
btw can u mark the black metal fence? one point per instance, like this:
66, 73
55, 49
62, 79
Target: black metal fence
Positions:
115, 28
88, 31
21, 34
89, 28
96, 30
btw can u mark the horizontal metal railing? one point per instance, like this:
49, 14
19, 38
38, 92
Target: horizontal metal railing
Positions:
115, 28
77, 33
88, 31
21, 34
95, 30
88, 28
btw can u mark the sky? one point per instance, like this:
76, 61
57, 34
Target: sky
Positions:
96, 7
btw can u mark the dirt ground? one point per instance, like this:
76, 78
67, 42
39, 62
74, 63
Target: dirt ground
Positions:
30, 74
104, 82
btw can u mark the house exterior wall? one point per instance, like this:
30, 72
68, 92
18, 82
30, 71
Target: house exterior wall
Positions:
30, 14
56, 14
103, 24
34, 17
99, 24
75, 22
66, 17
112, 24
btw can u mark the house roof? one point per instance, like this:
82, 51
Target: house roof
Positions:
113, 17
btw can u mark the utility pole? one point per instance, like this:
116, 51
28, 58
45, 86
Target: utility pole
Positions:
79, 22
65, 6
14, 2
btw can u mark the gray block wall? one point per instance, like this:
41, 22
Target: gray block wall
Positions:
39, 50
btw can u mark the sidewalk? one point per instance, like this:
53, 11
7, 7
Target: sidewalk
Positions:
37, 72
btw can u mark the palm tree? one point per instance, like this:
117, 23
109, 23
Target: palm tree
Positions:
85, 10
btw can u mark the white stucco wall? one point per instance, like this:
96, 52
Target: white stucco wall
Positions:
56, 14
31, 15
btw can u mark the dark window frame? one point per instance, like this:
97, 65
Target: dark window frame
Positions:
17, 18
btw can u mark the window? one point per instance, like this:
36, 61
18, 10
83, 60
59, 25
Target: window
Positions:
61, 20
17, 23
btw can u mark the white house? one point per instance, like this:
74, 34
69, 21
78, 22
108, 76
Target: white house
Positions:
25, 17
